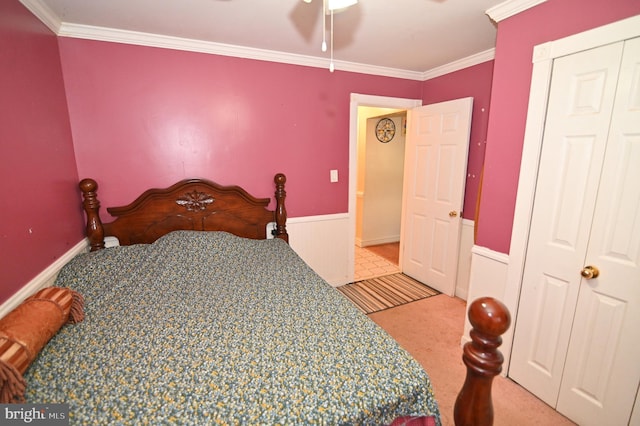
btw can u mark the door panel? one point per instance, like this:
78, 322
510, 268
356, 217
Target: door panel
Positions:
416, 253
572, 181
550, 304
603, 369
436, 153
605, 316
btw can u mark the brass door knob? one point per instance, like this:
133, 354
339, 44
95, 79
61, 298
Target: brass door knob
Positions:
589, 272
453, 213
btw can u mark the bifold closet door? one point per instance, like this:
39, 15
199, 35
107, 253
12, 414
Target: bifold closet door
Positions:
602, 370
575, 328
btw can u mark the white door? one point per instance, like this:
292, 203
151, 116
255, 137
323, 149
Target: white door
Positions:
436, 152
574, 338
603, 361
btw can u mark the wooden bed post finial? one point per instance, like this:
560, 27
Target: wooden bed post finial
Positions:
489, 319
281, 212
91, 204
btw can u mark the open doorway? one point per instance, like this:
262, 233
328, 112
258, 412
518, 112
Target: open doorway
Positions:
433, 234
364, 107
379, 188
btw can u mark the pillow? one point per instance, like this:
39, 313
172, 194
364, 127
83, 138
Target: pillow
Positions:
27, 329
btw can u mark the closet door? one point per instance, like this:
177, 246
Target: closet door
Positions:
602, 370
580, 102
577, 330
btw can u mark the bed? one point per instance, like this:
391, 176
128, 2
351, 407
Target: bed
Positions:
196, 317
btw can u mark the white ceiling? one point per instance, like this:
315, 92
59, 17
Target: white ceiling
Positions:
410, 35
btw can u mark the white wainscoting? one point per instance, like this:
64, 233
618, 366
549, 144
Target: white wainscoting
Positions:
322, 242
488, 277
464, 259
43, 279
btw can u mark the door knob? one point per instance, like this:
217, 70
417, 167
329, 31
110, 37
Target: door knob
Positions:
453, 213
589, 272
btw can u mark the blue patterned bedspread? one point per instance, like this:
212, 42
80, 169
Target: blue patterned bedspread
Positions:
210, 328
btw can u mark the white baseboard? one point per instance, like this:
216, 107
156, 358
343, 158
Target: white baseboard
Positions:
44, 279
378, 241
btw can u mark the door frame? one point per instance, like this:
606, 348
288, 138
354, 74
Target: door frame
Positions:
358, 100
543, 57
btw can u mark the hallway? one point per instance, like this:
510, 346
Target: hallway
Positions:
376, 261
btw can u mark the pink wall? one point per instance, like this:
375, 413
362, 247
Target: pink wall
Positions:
144, 117
41, 218
472, 82
516, 38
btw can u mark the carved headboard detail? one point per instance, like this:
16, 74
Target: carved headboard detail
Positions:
193, 204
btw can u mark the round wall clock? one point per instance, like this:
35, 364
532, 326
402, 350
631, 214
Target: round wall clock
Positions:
385, 130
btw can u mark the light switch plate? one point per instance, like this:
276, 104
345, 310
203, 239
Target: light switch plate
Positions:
334, 176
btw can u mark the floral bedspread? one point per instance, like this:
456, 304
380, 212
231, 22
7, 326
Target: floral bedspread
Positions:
210, 328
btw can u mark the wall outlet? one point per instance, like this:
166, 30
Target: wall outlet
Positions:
334, 176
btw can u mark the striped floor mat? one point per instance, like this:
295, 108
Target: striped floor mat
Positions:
377, 294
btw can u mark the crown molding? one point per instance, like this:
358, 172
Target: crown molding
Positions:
43, 13
192, 45
65, 29
200, 46
469, 61
510, 8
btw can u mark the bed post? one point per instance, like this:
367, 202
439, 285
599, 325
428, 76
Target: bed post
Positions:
281, 212
489, 319
95, 231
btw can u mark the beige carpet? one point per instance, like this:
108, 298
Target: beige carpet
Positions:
431, 330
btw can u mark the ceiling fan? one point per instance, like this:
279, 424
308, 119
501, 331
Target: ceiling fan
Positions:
328, 8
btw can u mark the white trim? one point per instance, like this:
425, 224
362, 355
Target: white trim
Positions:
510, 8
370, 101
114, 35
543, 57
45, 278
458, 65
319, 218
43, 13
192, 45
378, 241
490, 254
607, 34
534, 128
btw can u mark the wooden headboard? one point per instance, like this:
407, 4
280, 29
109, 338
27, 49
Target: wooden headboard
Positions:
193, 204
